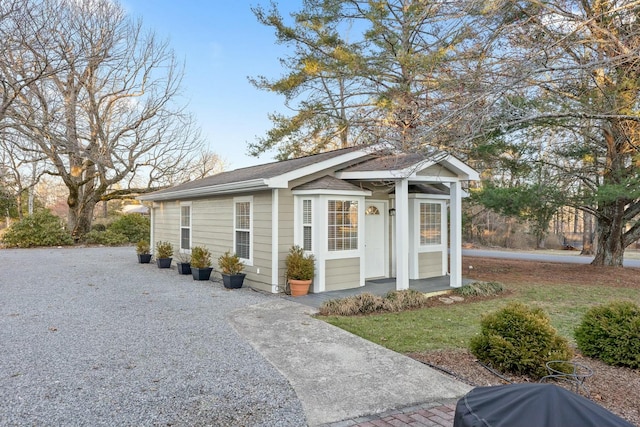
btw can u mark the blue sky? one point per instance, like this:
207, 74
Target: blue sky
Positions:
221, 43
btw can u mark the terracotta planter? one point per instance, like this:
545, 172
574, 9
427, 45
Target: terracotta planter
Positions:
299, 287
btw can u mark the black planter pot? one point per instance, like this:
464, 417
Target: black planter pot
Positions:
144, 258
164, 262
233, 281
201, 273
184, 268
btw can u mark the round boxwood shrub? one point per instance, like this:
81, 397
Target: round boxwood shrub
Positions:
40, 229
136, 227
611, 333
519, 340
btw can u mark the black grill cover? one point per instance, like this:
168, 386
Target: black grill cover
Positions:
531, 405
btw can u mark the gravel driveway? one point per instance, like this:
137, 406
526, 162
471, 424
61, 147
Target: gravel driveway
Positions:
89, 337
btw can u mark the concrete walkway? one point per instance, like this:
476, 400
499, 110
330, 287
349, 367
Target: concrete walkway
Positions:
342, 379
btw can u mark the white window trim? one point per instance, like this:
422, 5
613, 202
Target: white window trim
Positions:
431, 247
237, 200
182, 250
349, 253
298, 214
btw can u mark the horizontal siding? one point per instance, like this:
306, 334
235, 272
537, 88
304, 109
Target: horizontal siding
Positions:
166, 224
262, 242
342, 274
430, 264
285, 231
212, 227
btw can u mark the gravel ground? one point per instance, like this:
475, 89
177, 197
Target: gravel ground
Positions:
90, 337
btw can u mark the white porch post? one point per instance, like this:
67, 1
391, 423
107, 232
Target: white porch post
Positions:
455, 251
402, 234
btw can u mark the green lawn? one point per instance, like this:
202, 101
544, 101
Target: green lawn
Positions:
452, 326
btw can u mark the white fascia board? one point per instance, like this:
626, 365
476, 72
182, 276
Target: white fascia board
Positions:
463, 171
332, 192
282, 181
420, 196
371, 175
235, 187
466, 172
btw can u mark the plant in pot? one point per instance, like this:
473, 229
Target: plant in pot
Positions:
164, 252
201, 263
184, 263
231, 269
300, 270
144, 252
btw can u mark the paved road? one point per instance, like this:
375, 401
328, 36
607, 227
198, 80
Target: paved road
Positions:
573, 258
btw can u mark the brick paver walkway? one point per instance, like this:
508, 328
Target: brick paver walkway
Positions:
427, 415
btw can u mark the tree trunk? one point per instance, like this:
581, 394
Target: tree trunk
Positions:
610, 232
587, 236
80, 218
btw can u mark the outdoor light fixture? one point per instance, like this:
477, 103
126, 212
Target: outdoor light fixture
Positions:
392, 212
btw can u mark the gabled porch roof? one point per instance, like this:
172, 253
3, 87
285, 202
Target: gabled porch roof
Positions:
354, 163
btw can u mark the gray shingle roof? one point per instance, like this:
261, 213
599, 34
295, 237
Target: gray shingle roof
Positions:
387, 162
265, 171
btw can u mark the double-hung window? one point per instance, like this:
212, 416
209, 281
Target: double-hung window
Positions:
342, 225
185, 227
243, 228
430, 223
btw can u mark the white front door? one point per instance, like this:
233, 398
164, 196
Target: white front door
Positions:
375, 238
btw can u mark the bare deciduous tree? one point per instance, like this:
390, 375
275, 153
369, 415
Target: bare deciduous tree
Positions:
105, 110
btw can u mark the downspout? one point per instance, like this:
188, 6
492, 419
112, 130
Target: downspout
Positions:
274, 240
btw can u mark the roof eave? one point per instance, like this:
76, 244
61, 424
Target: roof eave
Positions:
235, 187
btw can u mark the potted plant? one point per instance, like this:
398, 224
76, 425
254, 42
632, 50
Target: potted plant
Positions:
144, 252
200, 263
300, 270
184, 263
231, 269
164, 251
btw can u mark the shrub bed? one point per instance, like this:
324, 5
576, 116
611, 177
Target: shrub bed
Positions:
367, 303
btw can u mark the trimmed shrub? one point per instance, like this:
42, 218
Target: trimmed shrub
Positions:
40, 229
480, 289
519, 340
611, 333
135, 227
107, 238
